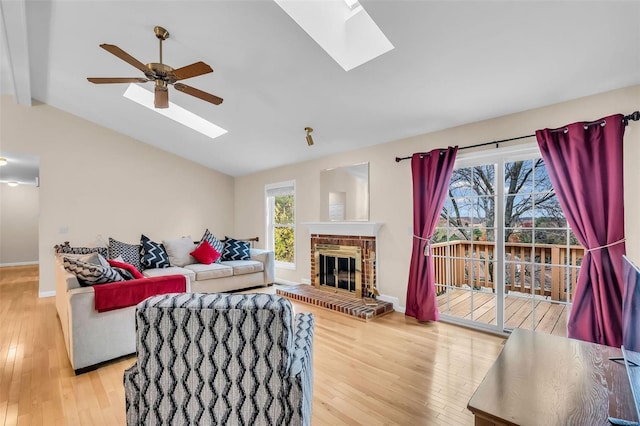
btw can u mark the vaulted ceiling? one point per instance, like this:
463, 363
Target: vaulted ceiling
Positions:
453, 62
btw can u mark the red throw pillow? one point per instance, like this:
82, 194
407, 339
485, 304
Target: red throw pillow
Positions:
205, 253
127, 266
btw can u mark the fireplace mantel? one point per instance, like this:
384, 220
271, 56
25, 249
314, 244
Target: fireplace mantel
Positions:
344, 228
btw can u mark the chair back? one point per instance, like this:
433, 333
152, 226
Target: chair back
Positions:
213, 358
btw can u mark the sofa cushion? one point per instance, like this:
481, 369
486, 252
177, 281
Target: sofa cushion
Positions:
171, 270
130, 252
205, 253
152, 254
214, 270
236, 250
241, 267
90, 273
215, 243
178, 251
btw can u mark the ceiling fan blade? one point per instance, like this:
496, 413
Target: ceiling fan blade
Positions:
101, 80
161, 99
115, 50
192, 70
198, 93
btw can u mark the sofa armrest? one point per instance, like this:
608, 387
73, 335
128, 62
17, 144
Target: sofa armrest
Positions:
303, 343
132, 394
301, 371
65, 278
66, 282
95, 337
267, 257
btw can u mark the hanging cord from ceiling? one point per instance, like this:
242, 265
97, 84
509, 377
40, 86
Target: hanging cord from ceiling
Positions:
634, 116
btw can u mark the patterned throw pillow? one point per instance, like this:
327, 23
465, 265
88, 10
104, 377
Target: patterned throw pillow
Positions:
214, 242
119, 264
152, 254
130, 252
89, 274
67, 249
124, 273
236, 250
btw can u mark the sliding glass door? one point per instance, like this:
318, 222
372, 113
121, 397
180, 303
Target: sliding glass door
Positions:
504, 256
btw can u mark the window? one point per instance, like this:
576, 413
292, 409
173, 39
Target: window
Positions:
504, 255
281, 222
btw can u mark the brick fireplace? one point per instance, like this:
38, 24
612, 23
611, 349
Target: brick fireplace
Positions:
343, 257
344, 270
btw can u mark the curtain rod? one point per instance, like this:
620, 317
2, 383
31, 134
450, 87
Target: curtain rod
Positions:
634, 116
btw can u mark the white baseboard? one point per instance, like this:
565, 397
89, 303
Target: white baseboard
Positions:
43, 294
285, 282
394, 300
33, 262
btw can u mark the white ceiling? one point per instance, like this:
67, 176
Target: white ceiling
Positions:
454, 62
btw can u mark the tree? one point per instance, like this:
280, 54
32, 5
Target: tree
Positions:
283, 231
471, 200
529, 190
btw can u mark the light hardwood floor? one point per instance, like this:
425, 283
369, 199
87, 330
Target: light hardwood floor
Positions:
389, 371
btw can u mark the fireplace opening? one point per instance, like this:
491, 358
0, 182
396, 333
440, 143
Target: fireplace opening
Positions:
339, 272
338, 268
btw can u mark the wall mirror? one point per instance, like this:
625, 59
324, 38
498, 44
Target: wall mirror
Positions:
344, 193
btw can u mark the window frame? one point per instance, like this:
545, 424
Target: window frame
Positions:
270, 225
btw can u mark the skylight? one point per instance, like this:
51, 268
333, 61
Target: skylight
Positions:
174, 112
341, 27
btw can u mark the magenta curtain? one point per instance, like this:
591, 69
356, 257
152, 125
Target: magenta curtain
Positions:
585, 167
431, 174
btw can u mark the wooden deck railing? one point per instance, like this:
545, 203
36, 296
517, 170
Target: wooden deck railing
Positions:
473, 264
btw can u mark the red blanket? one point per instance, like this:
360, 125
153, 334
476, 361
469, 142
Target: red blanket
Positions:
129, 293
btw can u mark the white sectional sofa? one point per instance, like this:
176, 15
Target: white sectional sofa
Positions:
225, 276
93, 337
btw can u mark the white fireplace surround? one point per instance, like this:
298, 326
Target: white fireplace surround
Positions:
367, 229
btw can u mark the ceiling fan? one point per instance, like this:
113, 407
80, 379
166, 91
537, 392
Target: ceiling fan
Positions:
163, 75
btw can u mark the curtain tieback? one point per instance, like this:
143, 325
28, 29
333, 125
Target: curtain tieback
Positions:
606, 245
427, 248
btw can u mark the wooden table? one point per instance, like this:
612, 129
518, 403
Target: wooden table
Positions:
540, 379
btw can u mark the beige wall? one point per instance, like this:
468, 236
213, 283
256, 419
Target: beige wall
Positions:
390, 183
98, 182
18, 224
94, 181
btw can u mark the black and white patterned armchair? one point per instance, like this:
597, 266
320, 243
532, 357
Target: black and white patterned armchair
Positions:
220, 359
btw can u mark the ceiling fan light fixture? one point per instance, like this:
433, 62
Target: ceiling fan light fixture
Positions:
161, 98
309, 138
3, 161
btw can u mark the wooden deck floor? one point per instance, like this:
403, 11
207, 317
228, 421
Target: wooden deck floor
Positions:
549, 317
